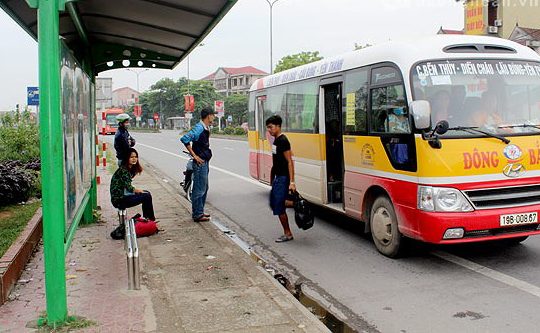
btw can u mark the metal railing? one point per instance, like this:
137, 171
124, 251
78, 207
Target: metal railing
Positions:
132, 252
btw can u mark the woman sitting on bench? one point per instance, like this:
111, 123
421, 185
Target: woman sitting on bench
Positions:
123, 194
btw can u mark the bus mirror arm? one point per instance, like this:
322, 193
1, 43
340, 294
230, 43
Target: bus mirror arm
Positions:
433, 138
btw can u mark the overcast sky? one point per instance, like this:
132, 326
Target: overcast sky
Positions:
242, 38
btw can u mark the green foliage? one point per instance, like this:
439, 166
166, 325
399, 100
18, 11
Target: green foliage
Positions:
215, 130
236, 105
228, 130
19, 137
239, 131
72, 323
296, 60
13, 220
166, 97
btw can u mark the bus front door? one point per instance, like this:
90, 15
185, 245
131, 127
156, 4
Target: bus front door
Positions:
264, 149
334, 142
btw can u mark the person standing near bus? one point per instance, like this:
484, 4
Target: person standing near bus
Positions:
199, 135
123, 141
281, 175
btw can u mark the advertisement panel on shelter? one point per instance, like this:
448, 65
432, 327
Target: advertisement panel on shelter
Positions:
76, 113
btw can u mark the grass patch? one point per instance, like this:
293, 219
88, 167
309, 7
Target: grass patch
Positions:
144, 130
72, 323
13, 220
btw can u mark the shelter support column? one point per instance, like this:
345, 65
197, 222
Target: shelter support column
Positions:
52, 160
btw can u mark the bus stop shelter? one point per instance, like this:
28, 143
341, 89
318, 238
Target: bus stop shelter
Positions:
76, 41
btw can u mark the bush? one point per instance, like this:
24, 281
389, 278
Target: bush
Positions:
19, 138
215, 130
15, 182
239, 131
228, 130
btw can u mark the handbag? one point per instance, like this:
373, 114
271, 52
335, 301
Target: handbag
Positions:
303, 213
119, 232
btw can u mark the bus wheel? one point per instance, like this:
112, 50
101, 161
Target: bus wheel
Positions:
384, 228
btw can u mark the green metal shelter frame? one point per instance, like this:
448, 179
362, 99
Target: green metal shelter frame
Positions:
102, 35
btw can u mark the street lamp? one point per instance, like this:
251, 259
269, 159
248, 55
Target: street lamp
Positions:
138, 91
137, 73
271, 3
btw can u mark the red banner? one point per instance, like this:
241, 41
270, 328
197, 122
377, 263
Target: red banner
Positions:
189, 103
137, 110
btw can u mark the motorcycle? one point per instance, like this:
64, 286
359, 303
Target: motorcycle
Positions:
187, 183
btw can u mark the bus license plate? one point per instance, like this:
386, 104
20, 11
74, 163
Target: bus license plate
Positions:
523, 218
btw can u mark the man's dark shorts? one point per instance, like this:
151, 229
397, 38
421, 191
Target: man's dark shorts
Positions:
278, 195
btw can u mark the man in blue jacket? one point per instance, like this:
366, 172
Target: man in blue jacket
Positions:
197, 142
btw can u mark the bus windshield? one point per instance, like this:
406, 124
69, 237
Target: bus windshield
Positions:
497, 96
111, 120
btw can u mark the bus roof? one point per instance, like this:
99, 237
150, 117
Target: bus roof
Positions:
405, 54
114, 110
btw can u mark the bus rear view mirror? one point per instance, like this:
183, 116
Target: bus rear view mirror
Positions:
421, 112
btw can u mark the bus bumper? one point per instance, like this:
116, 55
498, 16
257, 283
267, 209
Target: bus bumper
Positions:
480, 225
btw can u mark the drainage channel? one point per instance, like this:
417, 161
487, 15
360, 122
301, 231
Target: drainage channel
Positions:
333, 323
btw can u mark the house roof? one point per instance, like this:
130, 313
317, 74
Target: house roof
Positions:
443, 31
147, 33
533, 33
236, 71
125, 88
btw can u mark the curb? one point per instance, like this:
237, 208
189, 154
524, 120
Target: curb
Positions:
16, 257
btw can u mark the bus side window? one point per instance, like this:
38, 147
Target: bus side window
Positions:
355, 102
389, 113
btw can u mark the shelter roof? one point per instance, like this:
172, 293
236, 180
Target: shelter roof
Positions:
147, 33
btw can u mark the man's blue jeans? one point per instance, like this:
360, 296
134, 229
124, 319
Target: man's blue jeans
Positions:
200, 189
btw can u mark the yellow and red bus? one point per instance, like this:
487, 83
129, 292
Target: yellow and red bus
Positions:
436, 140
110, 124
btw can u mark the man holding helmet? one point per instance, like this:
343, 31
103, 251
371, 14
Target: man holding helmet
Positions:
122, 139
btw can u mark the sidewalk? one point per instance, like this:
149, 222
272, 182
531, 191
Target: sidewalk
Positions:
193, 279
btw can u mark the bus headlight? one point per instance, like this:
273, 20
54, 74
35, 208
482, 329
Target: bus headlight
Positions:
442, 199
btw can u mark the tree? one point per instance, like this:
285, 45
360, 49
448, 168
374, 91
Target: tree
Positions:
166, 97
236, 105
296, 60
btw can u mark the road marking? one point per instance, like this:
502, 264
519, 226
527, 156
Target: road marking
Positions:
490, 273
227, 148
230, 173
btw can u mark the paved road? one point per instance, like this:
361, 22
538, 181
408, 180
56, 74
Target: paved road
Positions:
474, 288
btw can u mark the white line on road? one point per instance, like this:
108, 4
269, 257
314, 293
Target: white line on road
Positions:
211, 167
487, 272
227, 148
490, 273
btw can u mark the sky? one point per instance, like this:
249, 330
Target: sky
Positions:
242, 38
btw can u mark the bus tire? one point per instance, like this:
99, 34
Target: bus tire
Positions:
384, 228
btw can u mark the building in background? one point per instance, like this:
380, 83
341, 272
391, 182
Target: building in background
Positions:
124, 97
527, 36
498, 18
229, 80
103, 93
